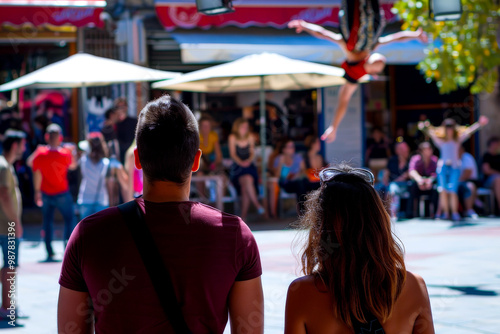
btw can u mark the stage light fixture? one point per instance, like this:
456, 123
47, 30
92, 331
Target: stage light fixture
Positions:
445, 10
214, 7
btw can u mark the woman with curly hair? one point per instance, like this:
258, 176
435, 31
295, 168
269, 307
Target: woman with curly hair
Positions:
355, 277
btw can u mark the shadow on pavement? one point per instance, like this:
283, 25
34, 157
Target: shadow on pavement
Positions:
4, 324
463, 224
468, 290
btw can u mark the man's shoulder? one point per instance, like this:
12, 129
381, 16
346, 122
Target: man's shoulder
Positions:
63, 151
206, 211
415, 158
41, 150
107, 218
468, 157
3, 162
213, 136
394, 159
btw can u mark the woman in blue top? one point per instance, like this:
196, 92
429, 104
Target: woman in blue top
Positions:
291, 171
448, 139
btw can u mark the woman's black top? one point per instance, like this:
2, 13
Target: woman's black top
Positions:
243, 152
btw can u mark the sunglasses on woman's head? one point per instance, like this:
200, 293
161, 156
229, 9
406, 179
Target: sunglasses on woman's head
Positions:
327, 174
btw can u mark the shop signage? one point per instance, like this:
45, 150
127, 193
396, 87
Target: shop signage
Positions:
185, 16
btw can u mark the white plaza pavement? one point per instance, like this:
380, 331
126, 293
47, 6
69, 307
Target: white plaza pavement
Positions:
461, 266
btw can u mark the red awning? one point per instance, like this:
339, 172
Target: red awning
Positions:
175, 15
78, 13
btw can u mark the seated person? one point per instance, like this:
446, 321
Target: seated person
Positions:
209, 146
313, 160
290, 169
491, 167
211, 158
377, 152
395, 180
467, 188
422, 170
243, 172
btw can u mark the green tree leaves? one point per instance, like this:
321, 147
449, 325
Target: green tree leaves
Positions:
461, 53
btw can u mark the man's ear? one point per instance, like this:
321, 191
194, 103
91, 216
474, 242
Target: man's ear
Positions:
196, 163
136, 159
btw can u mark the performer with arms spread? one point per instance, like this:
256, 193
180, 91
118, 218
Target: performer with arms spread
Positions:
361, 25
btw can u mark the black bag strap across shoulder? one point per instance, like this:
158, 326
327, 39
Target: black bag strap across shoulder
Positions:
154, 264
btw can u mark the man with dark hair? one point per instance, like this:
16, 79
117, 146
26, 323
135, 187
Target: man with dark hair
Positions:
211, 257
125, 127
491, 167
11, 228
422, 170
396, 179
50, 166
9, 119
109, 127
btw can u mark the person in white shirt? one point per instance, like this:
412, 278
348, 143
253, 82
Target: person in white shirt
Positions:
467, 189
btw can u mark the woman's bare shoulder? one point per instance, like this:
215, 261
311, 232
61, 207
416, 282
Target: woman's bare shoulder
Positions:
305, 294
415, 287
301, 282
306, 285
415, 280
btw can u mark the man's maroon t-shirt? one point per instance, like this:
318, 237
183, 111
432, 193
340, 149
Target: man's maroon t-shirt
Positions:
205, 250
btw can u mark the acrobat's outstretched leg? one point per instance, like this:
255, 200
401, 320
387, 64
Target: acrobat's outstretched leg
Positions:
345, 94
374, 64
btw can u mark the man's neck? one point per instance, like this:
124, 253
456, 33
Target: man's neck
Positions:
165, 191
426, 160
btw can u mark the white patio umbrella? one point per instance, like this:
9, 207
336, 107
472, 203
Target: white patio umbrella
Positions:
259, 72
85, 70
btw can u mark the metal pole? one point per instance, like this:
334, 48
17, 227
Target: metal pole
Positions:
14, 97
83, 128
263, 141
82, 121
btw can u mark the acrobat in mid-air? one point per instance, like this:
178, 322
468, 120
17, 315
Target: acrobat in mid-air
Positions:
361, 25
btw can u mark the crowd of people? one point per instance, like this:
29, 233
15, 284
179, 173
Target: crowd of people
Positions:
56, 175
139, 255
107, 174
328, 200
449, 180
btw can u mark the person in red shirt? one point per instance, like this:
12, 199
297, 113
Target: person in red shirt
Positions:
50, 166
211, 257
361, 25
